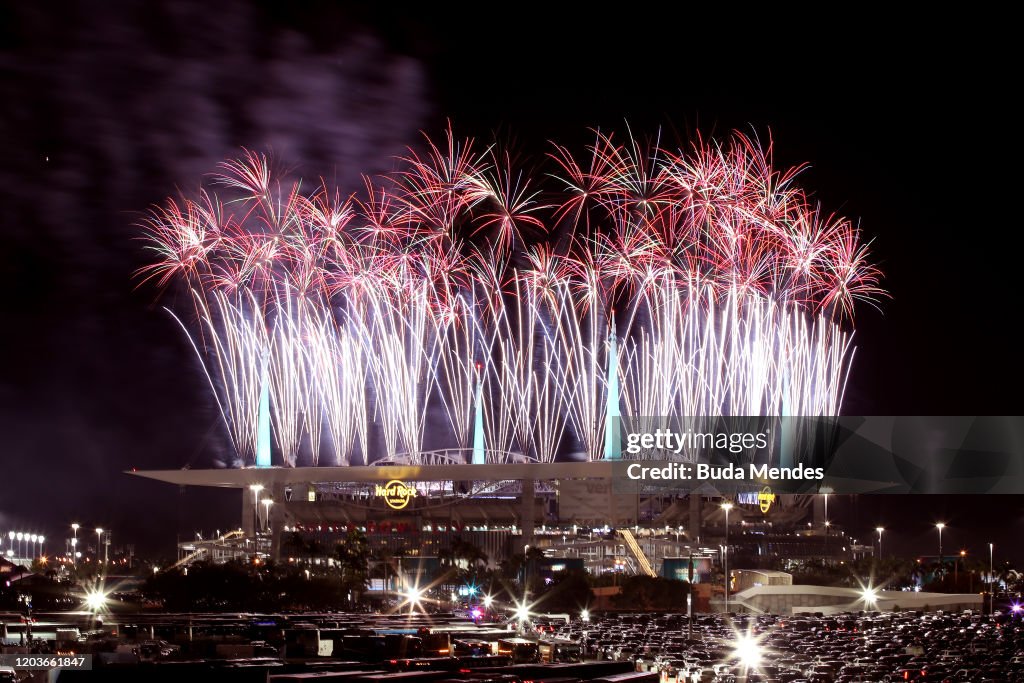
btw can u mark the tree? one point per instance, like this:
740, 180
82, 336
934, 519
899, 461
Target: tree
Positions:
652, 593
569, 592
510, 569
470, 553
353, 555
243, 586
469, 559
296, 545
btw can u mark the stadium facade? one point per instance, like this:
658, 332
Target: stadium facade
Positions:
568, 510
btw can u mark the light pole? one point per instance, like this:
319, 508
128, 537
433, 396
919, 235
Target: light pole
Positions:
21, 544
940, 526
828, 525
11, 535
725, 553
879, 529
74, 543
42, 546
991, 575
99, 542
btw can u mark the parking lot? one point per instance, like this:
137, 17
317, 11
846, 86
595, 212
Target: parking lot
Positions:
909, 646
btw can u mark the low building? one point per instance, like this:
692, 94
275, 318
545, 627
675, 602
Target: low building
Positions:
797, 599
743, 579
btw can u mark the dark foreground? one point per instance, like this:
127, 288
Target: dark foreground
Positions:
623, 648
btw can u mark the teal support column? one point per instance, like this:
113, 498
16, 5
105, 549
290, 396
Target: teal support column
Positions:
612, 449
479, 454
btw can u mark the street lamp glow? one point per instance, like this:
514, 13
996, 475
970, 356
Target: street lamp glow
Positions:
413, 595
75, 526
747, 651
869, 595
488, 600
522, 612
585, 615
95, 600
727, 506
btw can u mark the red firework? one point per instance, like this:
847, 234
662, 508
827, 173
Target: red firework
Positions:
715, 217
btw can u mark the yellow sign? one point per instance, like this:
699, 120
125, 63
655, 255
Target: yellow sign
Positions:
396, 494
765, 499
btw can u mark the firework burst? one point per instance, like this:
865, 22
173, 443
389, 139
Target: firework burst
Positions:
702, 280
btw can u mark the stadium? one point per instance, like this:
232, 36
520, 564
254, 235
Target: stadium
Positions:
569, 511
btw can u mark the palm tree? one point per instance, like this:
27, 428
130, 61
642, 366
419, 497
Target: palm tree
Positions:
469, 553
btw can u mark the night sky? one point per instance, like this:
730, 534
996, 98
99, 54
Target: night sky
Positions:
110, 107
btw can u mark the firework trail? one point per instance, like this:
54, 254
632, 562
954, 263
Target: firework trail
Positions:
703, 277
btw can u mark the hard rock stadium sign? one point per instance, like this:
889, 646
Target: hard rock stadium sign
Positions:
395, 493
